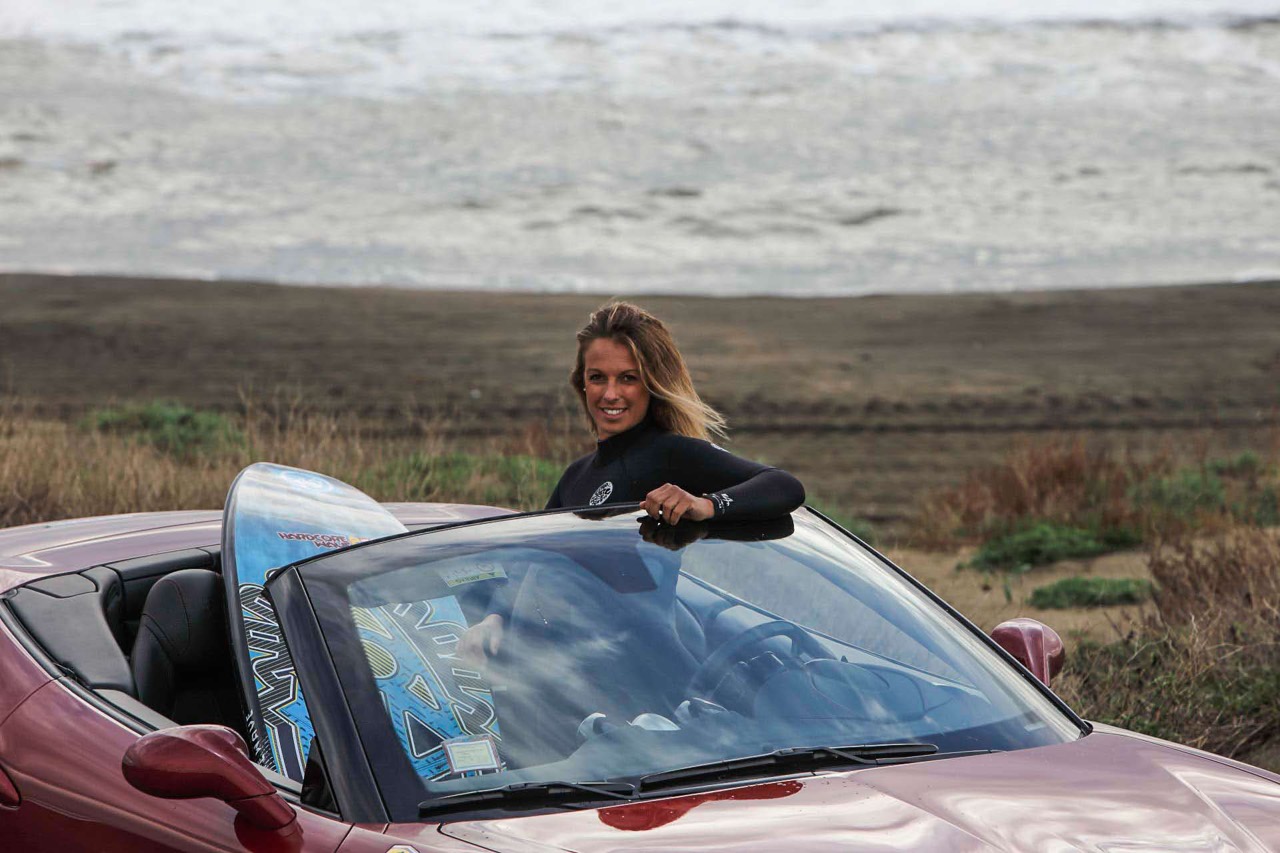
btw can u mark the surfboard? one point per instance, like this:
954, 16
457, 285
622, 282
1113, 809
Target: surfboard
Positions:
441, 710
275, 516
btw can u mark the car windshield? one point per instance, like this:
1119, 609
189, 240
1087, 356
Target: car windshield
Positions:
629, 649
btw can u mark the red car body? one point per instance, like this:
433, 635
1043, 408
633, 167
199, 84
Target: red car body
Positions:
62, 786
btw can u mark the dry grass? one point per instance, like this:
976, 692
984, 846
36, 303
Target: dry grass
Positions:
1206, 669
51, 470
1113, 494
1229, 583
1065, 481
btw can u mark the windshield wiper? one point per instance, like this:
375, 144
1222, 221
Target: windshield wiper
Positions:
789, 760
530, 795
580, 794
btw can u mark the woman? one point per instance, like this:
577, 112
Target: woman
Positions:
652, 443
652, 432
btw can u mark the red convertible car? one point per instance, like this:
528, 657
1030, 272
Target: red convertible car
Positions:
767, 687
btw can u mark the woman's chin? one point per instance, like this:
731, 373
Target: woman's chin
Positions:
606, 427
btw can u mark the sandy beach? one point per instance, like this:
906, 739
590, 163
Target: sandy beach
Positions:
871, 400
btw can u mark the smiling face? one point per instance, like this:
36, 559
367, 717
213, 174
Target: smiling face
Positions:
616, 396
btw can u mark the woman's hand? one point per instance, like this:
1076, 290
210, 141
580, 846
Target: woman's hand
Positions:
481, 640
673, 538
670, 503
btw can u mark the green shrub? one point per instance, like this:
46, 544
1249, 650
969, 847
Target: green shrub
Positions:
516, 481
1091, 592
1262, 508
1233, 487
1183, 496
1245, 464
171, 428
1041, 543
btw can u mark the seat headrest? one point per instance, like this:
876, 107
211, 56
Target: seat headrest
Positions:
184, 612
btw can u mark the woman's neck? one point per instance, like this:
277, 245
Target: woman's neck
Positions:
645, 422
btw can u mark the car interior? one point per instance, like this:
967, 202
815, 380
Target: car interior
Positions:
148, 635
148, 638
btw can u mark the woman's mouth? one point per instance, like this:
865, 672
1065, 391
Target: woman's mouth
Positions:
613, 413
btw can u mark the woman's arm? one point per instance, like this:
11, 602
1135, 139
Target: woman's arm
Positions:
735, 488
768, 494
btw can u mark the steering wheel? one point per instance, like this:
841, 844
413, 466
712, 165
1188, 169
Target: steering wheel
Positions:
718, 663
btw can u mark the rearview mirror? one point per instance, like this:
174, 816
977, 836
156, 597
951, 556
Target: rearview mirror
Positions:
188, 762
1033, 644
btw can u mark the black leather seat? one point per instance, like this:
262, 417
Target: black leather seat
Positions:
181, 659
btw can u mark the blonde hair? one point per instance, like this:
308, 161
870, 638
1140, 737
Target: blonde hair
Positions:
673, 403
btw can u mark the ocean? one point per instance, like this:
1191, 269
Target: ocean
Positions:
705, 146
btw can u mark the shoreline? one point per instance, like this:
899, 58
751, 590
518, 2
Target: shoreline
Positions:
871, 400
890, 175
1270, 279
25, 277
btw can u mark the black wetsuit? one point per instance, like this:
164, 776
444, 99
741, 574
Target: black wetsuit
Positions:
626, 467
576, 610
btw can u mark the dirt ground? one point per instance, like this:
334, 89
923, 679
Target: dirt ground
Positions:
870, 400
987, 602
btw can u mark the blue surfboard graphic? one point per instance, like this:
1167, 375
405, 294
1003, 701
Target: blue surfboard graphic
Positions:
430, 694
275, 516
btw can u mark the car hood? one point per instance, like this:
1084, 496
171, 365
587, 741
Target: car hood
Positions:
1109, 792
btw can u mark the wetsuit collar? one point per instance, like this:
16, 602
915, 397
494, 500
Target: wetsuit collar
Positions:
616, 445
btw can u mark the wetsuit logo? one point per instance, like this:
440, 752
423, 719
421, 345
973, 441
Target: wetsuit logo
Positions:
601, 494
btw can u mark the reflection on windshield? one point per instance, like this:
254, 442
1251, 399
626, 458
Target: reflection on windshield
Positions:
623, 654
429, 698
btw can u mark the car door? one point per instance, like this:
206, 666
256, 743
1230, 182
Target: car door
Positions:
61, 750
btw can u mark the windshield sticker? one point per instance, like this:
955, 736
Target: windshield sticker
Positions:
463, 575
468, 754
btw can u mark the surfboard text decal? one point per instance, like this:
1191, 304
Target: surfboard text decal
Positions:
324, 541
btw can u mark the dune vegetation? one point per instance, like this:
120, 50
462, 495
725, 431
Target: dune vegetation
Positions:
163, 456
1202, 668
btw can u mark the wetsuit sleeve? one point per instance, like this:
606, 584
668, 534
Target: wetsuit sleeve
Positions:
555, 501
738, 488
565, 485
